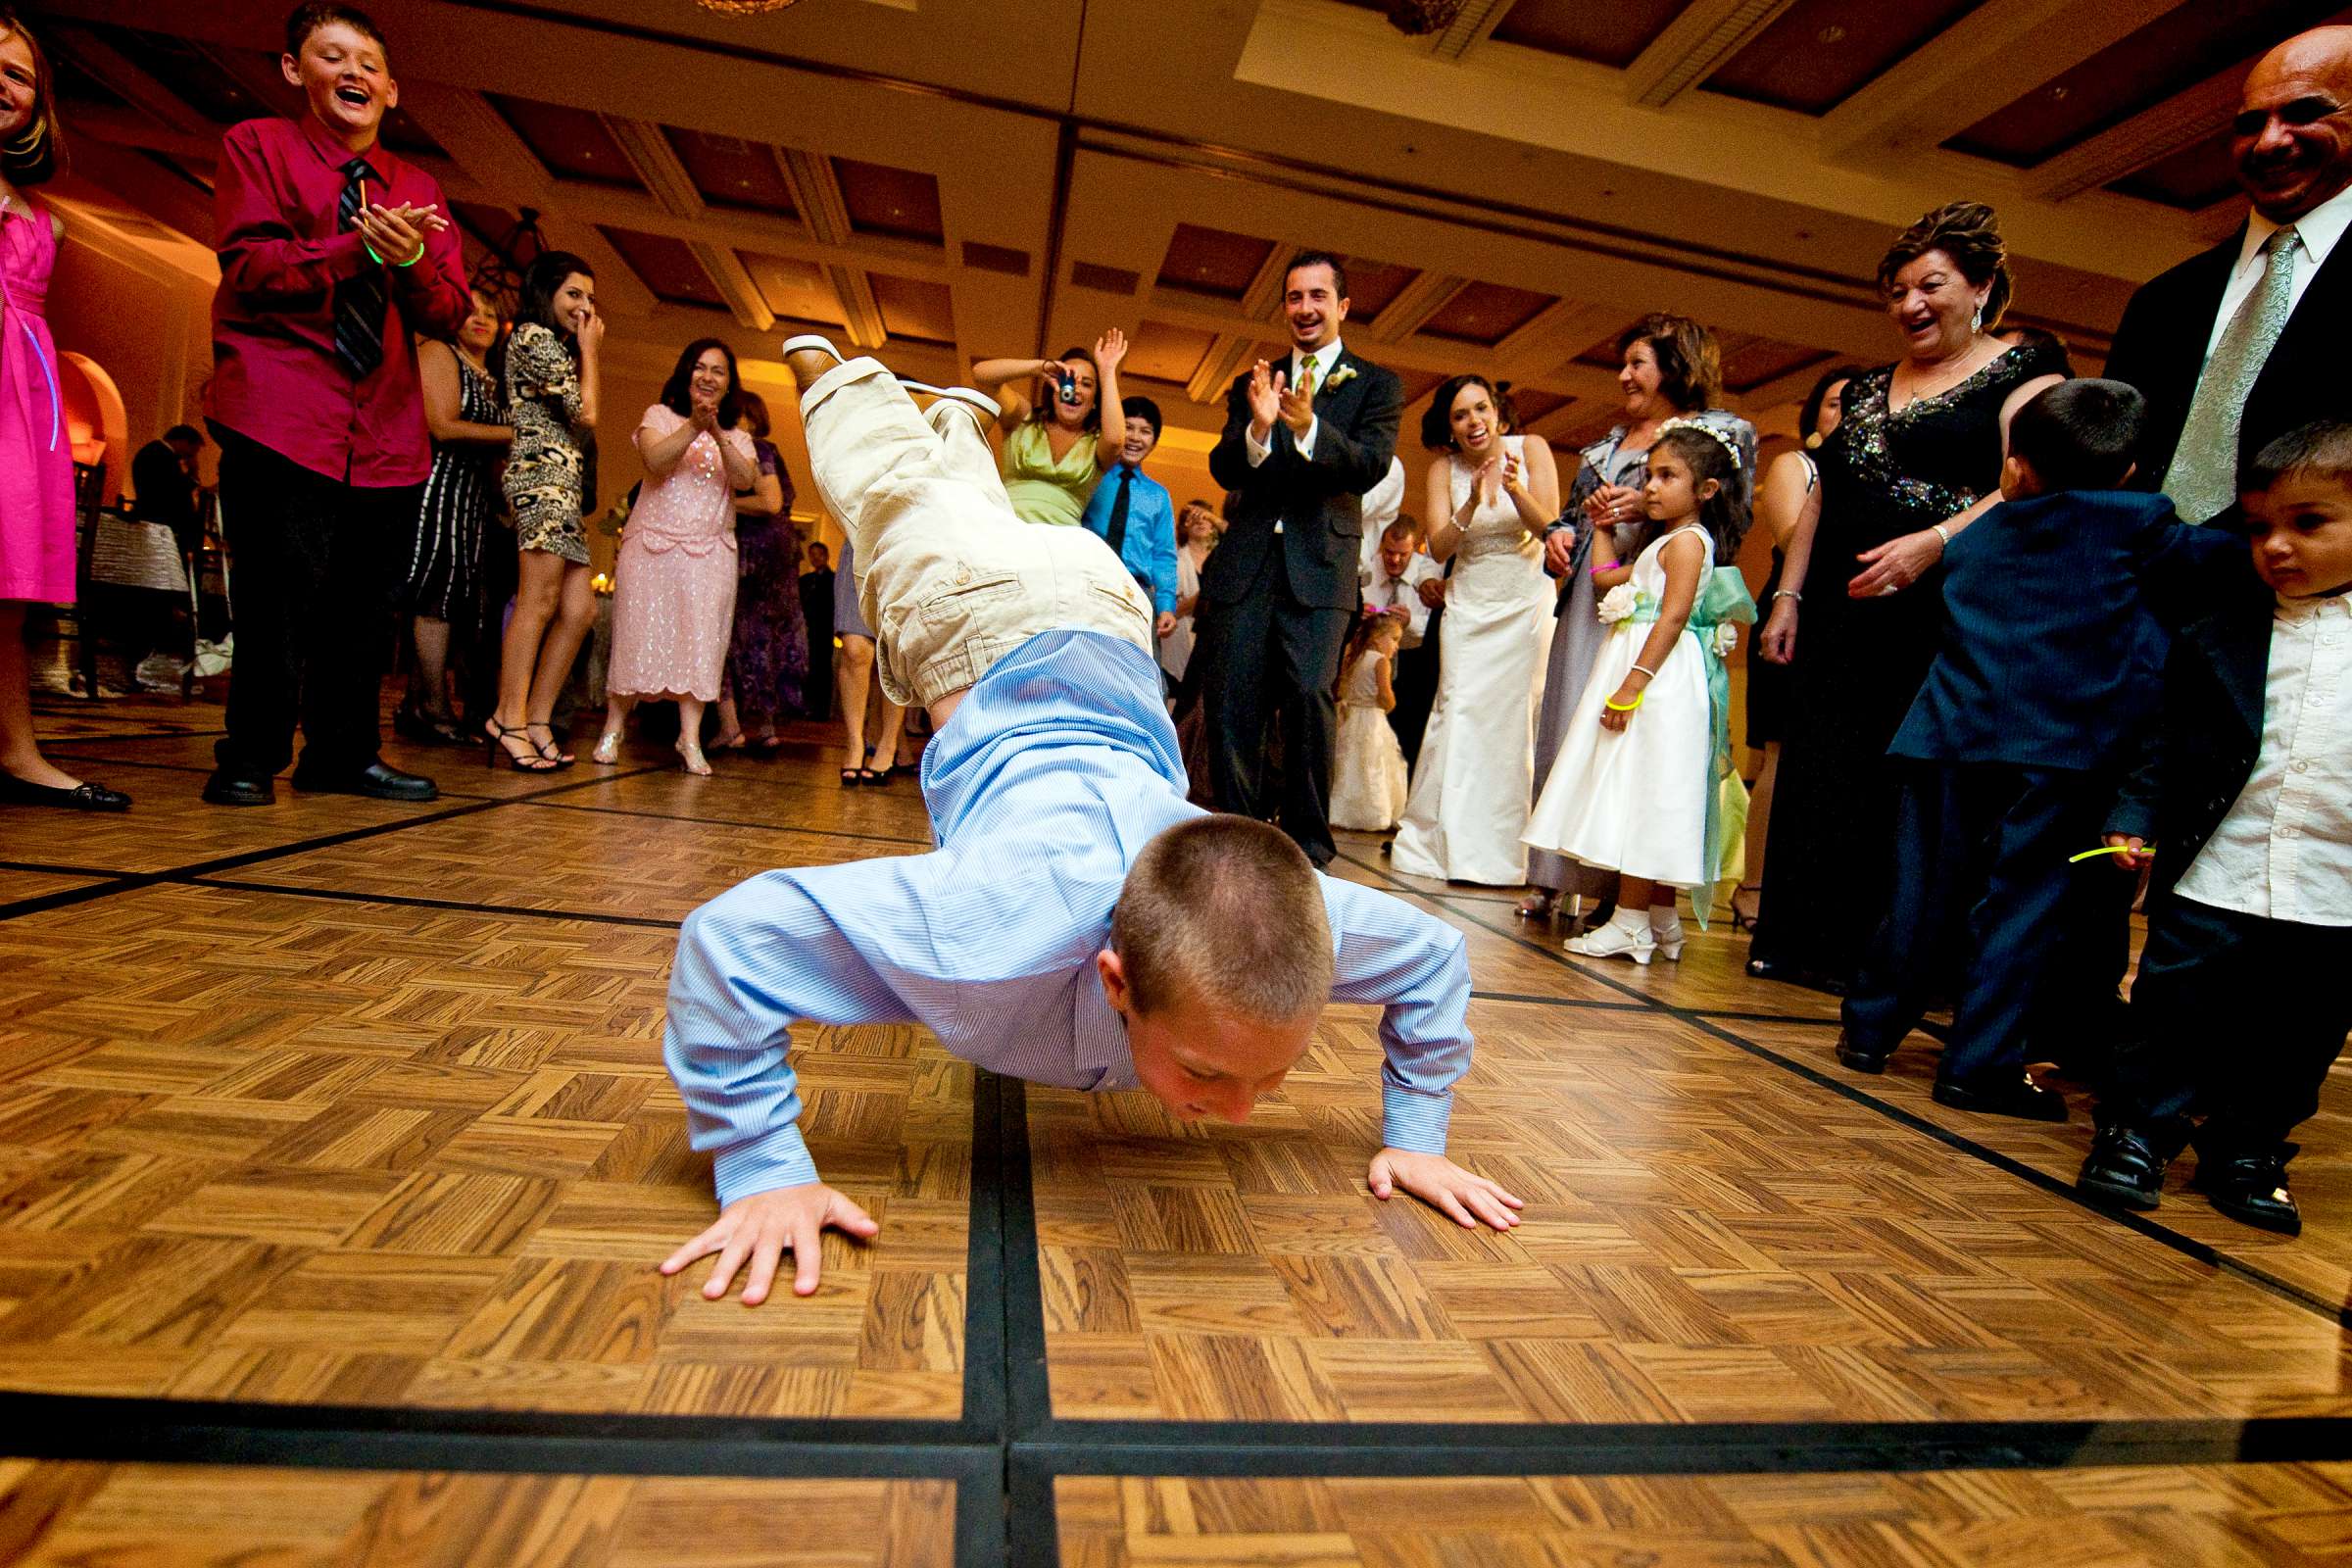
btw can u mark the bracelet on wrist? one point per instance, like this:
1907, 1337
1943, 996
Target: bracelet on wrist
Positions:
1943, 533
1616, 706
1647, 670
1788, 593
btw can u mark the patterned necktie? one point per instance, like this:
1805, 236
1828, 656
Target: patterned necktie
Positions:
2203, 479
1306, 376
1117, 531
360, 301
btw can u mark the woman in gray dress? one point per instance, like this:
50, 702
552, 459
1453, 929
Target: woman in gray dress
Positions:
1670, 368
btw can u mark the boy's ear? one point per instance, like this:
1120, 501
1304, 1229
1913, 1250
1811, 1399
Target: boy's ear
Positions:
2018, 479
291, 69
1113, 971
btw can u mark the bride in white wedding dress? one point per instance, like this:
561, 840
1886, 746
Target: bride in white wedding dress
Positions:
1489, 501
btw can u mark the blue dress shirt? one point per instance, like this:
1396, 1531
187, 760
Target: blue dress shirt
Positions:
1148, 552
1057, 768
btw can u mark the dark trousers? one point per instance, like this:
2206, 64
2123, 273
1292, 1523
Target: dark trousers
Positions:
1274, 657
1981, 859
315, 563
2078, 1019
2235, 1019
1415, 682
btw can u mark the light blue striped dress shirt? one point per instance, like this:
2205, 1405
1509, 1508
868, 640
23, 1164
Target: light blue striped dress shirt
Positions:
1057, 768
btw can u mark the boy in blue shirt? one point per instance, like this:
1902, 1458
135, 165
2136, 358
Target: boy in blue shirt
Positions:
2243, 800
2011, 750
1132, 513
1079, 924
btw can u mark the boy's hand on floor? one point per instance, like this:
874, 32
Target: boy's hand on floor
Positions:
1439, 1181
758, 1227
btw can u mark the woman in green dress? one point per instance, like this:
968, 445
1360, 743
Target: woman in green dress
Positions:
1056, 446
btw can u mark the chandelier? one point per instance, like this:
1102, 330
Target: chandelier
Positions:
500, 274
746, 8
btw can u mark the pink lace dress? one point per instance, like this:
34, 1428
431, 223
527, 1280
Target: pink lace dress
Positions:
673, 602
36, 451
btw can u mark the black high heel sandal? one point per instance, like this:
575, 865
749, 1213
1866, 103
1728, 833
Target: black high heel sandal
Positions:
555, 755
494, 747
1741, 920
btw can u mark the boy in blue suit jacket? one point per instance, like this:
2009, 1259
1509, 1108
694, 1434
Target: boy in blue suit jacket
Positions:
2244, 800
2012, 748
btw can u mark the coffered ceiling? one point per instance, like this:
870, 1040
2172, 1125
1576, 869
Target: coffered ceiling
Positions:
941, 180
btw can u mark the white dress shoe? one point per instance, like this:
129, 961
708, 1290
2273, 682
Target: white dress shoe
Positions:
1668, 940
810, 340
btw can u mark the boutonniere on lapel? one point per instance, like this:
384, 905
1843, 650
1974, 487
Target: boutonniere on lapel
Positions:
1340, 374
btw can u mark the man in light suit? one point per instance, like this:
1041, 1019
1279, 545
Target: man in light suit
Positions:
1303, 441
2239, 345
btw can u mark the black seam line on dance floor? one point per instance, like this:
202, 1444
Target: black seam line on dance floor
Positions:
1043, 1446
730, 821
55, 869
136, 881
410, 901
2187, 1246
971, 1449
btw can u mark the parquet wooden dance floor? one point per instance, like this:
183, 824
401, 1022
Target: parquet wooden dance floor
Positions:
336, 1152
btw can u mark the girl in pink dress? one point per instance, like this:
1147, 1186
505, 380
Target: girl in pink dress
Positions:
36, 453
673, 604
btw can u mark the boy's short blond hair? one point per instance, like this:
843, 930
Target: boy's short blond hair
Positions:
1227, 912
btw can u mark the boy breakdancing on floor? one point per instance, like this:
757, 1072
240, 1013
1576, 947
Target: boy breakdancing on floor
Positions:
1079, 924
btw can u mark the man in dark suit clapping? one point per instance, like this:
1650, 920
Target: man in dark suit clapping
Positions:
1303, 441
2239, 345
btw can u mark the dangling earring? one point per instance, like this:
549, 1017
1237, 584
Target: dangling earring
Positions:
1976, 323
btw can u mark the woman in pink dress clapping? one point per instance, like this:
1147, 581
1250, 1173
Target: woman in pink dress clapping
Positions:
674, 605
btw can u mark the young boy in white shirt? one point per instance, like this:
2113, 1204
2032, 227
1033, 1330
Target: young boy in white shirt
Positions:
2244, 802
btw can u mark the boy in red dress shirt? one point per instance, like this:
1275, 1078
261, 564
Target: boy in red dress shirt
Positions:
332, 252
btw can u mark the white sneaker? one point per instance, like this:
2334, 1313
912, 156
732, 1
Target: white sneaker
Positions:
1613, 941
1668, 939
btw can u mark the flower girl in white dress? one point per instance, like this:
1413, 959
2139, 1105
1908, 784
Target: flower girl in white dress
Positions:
1632, 791
1368, 765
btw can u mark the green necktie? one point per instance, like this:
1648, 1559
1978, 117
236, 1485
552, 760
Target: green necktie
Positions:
2203, 479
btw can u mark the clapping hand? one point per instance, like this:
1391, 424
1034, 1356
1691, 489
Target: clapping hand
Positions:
1266, 398
1298, 410
397, 233
1514, 473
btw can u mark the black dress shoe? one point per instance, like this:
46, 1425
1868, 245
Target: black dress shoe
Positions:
376, 781
2123, 1167
2251, 1189
2019, 1096
227, 787
15, 791
1859, 1058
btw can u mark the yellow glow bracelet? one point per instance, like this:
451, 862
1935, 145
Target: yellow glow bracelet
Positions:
2112, 849
1623, 707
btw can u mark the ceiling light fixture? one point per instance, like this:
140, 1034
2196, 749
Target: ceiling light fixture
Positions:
746, 8
1412, 18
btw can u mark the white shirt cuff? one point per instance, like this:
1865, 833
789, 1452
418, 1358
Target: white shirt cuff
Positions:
1307, 443
1257, 449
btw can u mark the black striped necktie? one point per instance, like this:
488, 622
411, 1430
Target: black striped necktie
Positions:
360, 301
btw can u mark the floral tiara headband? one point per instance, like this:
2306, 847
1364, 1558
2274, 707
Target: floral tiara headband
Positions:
1706, 429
